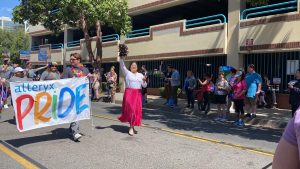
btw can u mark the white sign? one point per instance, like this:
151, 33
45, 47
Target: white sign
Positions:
276, 81
292, 66
48, 103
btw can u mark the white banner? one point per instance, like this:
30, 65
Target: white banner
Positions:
48, 103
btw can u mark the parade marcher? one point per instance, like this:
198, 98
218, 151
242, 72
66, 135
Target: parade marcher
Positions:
231, 80
207, 88
175, 84
144, 89
51, 73
96, 84
239, 91
30, 72
294, 97
2, 94
111, 78
220, 93
75, 71
132, 100
253, 81
168, 91
189, 87
6, 71
288, 149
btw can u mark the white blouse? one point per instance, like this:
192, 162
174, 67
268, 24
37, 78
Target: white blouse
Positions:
132, 80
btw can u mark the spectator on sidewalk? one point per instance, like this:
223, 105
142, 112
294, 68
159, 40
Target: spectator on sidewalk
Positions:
239, 91
189, 87
51, 73
168, 91
221, 92
294, 98
95, 79
207, 88
76, 70
111, 78
175, 84
144, 89
231, 80
288, 150
253, 81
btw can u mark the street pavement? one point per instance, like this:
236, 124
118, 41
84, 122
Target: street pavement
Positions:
167, 139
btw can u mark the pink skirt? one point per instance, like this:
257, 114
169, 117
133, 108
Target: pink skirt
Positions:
132, 107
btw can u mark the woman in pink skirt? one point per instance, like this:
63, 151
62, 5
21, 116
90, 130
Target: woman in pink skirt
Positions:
132, 100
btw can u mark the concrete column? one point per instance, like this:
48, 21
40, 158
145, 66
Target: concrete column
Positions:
234, 9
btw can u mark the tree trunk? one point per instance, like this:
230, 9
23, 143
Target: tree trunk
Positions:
88, 40
98, 60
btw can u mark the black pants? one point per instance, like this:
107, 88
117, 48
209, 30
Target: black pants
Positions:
294, 109
206, 102
239, 106
174, 93
190, 97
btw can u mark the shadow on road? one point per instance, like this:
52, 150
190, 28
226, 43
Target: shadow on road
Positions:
117, 128
175, 120
57, 134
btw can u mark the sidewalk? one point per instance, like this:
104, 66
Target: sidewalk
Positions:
267, 118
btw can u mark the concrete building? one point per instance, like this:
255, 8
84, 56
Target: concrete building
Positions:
7, 24
191, 34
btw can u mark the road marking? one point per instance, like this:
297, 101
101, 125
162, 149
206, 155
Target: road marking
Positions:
21, 158
202, 139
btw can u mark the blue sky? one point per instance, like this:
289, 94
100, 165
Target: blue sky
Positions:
6, 7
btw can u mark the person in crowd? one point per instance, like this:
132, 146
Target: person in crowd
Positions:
168, 91
294, 98
189, 87
2, 92
51, 73
76, 70
30, 72
253, 81
175, 84
207, 88
144, 90
231, 80
6, 71
221, 92
111, 78
239, 94
288, 149
96, 84
132, 100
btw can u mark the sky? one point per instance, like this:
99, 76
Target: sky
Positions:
6, 7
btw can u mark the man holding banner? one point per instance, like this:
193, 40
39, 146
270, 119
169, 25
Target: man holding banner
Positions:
76, 70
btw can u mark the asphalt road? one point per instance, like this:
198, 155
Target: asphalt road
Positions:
167, 140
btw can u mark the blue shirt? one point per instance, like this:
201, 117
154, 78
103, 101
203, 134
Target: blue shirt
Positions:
175, 78
252, 80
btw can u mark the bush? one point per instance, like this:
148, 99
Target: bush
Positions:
162, 91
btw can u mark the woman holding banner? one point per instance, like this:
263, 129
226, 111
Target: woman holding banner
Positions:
75, 71
132, 100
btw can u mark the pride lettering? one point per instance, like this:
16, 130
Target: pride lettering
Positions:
54, 103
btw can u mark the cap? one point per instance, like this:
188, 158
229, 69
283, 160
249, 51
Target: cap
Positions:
238, 74
18, 69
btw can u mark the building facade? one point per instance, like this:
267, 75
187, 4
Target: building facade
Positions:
197, 35
7, 24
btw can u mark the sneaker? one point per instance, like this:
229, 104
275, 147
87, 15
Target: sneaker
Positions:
5, 106
253, 116
241, 123
77, 137
248, 115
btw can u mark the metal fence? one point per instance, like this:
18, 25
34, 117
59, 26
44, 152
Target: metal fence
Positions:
274, 65
199, 65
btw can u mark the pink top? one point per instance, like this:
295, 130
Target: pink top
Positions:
238, 87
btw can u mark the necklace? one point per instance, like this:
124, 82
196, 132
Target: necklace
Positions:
78, 72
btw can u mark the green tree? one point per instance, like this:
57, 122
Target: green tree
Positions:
13, 41
83, 14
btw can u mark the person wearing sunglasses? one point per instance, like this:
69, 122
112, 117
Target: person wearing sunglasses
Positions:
76, 70
51, 73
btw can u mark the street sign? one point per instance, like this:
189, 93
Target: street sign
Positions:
24, 55
43, 53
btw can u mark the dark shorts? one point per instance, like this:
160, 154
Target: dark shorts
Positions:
250, 101
221, 99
